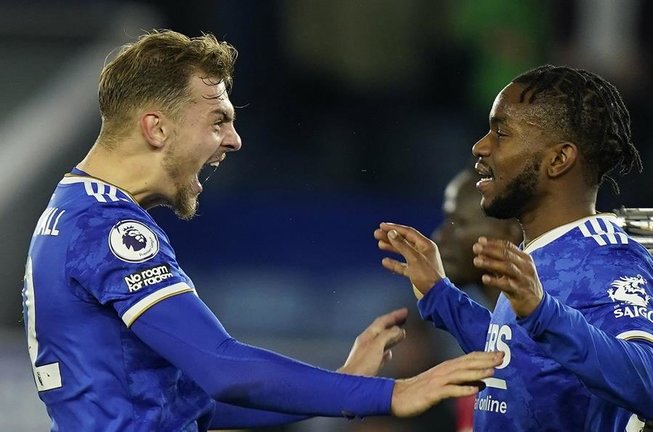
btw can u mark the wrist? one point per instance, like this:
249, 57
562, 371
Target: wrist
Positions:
424, 288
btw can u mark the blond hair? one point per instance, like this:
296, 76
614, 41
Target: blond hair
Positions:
156, 70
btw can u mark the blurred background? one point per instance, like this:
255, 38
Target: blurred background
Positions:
351, 113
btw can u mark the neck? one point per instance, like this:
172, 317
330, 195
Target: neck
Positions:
127, 168
557, 212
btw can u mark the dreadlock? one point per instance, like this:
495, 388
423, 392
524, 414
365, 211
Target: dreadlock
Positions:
587, 110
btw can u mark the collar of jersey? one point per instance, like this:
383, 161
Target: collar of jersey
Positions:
78, 176
558, 232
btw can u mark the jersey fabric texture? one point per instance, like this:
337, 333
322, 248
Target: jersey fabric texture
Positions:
101, 278
583, 360
95, 256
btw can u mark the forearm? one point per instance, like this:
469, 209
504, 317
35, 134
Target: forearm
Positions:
185, 332
227, 416
450, 309
616, 370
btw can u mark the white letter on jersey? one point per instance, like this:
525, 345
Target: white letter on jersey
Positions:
497, 338
635, 424
496, 341
48, 222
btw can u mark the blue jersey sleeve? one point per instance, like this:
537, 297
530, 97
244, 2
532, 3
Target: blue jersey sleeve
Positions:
185, 332
237, 417
609, 343
119, 256
450, 309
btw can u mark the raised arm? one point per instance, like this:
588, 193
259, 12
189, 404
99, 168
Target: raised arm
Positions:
441, 302
567, 336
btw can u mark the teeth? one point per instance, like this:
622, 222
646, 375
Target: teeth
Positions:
214, 164
485, 173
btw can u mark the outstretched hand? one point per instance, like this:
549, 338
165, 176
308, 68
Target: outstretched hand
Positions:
372, 348
423, 264
453, 378
510, 270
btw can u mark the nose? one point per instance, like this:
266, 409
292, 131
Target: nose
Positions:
482, 146
232, 140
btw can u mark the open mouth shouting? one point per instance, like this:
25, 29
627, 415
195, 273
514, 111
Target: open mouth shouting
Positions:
207, 170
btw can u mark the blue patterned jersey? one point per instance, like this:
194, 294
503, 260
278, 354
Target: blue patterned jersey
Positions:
96, 261
583, 361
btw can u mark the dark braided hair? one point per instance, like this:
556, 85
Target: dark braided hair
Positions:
588, 111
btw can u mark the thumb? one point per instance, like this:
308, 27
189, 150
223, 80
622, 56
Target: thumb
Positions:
392, 337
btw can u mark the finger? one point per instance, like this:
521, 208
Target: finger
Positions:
392, 337
393, 318
387, 356
456, 391
501, 283
474, 360
402, 246
466, 376
385, 246
409, 233
379, 234
497, 267
482, 356
394, 266
480, 384
499, 249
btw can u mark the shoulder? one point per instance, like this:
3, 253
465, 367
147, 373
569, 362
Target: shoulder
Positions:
105, 217
623, 272
601, 241
89, 191
625, 252
593, 255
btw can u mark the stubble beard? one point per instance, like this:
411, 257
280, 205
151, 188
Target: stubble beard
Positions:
185, 202
518, 195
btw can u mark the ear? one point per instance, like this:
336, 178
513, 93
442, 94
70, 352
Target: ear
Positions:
155, 128
563, 157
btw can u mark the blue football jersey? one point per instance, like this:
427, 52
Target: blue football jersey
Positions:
567, 367
97, 260
595, 268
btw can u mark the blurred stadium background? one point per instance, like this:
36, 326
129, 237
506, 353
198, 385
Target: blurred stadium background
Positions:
352, 112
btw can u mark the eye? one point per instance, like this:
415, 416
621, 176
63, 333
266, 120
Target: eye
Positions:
217, 124
500, 133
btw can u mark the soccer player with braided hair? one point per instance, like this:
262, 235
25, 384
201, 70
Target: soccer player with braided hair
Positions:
575, 316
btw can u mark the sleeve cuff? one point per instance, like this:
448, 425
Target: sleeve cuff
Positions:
538, 321
362, 405
426, 303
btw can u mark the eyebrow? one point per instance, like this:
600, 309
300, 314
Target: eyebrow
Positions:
229, 115
496, 120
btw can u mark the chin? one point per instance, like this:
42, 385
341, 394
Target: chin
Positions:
499, 208
186, 204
